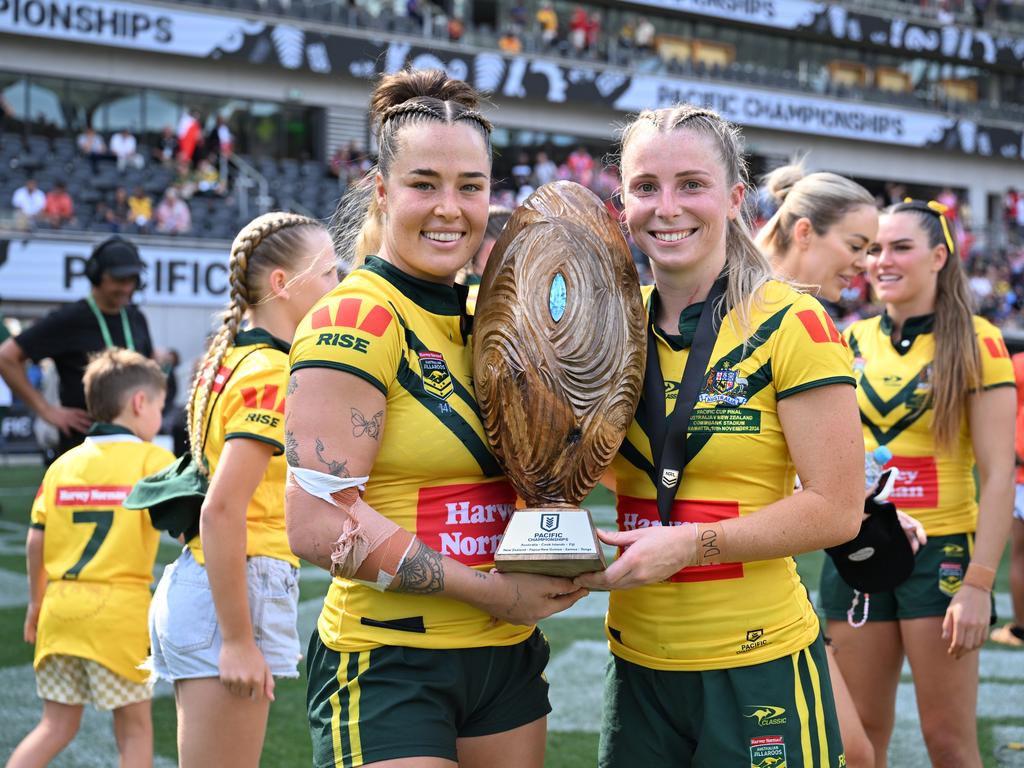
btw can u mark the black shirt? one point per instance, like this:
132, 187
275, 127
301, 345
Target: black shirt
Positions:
70, 334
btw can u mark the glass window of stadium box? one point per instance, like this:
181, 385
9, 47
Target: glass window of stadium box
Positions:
53, 107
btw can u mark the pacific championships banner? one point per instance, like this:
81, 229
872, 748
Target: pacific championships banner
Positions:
234, 39
54, 270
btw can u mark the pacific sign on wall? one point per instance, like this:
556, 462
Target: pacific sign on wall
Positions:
54, 270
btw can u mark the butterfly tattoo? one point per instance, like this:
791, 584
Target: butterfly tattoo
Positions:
363, 426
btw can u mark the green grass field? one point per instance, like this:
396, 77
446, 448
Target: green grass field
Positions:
575, 672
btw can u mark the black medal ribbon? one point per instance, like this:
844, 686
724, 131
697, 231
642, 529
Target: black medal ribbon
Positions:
668, 435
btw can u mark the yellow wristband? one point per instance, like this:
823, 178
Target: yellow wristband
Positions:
980, 576
709, 543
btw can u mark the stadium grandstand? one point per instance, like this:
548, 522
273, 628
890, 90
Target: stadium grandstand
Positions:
174, 123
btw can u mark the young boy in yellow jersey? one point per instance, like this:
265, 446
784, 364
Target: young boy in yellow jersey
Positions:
90, 565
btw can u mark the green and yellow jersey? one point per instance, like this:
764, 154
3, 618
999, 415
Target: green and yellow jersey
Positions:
894, 380
434, 474
247, 402
98, 555
732, 614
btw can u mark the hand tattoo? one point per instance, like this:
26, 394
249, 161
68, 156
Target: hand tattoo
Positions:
421, 573
336, 468
291, 448
360, 425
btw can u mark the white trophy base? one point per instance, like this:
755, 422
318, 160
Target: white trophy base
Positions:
555, 541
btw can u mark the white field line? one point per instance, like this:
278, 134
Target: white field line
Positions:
93, 747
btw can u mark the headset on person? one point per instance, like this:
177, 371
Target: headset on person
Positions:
94, 267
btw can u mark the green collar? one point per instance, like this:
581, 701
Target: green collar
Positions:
101, 429
436, 298
471, 279
688, 320
912, 328
252, 336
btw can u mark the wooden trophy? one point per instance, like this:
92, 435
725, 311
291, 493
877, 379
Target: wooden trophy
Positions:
558, 365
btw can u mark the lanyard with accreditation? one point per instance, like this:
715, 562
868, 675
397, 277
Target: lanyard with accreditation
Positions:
668, 436
129, 342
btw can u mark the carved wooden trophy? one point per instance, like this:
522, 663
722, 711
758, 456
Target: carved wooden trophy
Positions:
559, 346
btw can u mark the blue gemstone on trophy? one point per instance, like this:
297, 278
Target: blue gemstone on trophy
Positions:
556, 298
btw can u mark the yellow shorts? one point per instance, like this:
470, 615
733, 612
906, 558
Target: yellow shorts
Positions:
74, 680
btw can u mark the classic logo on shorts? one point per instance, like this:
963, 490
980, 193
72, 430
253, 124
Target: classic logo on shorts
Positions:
951, 576
724, 385
766, 714
437, 381
549, 522
768, 752
953, 550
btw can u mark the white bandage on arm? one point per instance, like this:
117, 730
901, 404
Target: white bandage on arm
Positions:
371, 548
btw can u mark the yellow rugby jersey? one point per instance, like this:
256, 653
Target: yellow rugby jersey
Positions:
434, 474
893, 382
247, 402
98, 555
732, 614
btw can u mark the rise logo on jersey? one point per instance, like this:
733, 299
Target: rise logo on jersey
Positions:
87, 496
820, 327
643, 513
465, 522
263, 398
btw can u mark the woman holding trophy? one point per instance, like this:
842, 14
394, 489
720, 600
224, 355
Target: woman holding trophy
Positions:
422, 655
717, 653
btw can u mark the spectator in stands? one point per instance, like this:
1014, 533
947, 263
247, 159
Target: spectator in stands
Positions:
456, 28
224, 140
510, 42
643, 36
522, 173
28, 202
189, 136
581, 165
518, 15
118, 212
578, 29
173, 216
125, 149
91, 145
140, 206
547, 19
544, 170
1010, 200
166, 147
593, 31
207, 179
68, 335
60, 209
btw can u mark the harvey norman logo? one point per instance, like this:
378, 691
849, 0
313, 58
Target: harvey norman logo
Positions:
465, 521
88, 496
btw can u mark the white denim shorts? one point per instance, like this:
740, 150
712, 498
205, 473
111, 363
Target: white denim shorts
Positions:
184, 634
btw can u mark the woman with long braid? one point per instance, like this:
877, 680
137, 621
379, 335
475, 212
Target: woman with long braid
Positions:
222, 622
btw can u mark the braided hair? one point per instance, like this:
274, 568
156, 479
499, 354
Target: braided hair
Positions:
400, 100
271, 240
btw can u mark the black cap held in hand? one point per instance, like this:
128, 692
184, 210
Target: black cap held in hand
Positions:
879, 558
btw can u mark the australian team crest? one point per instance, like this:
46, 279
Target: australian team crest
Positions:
724, 385
437, 380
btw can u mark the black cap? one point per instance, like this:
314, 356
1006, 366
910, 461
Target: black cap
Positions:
118, 258
879, 558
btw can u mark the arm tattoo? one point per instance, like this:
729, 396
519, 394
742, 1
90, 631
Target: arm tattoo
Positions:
291, 448
336, 468
421, 573
361, 426
293, 384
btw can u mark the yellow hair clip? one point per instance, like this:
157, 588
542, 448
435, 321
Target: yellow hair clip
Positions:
939, 210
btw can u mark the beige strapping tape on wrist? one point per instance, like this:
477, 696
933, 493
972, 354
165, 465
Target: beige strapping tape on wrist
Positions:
364, 531
980, 576
710, 539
